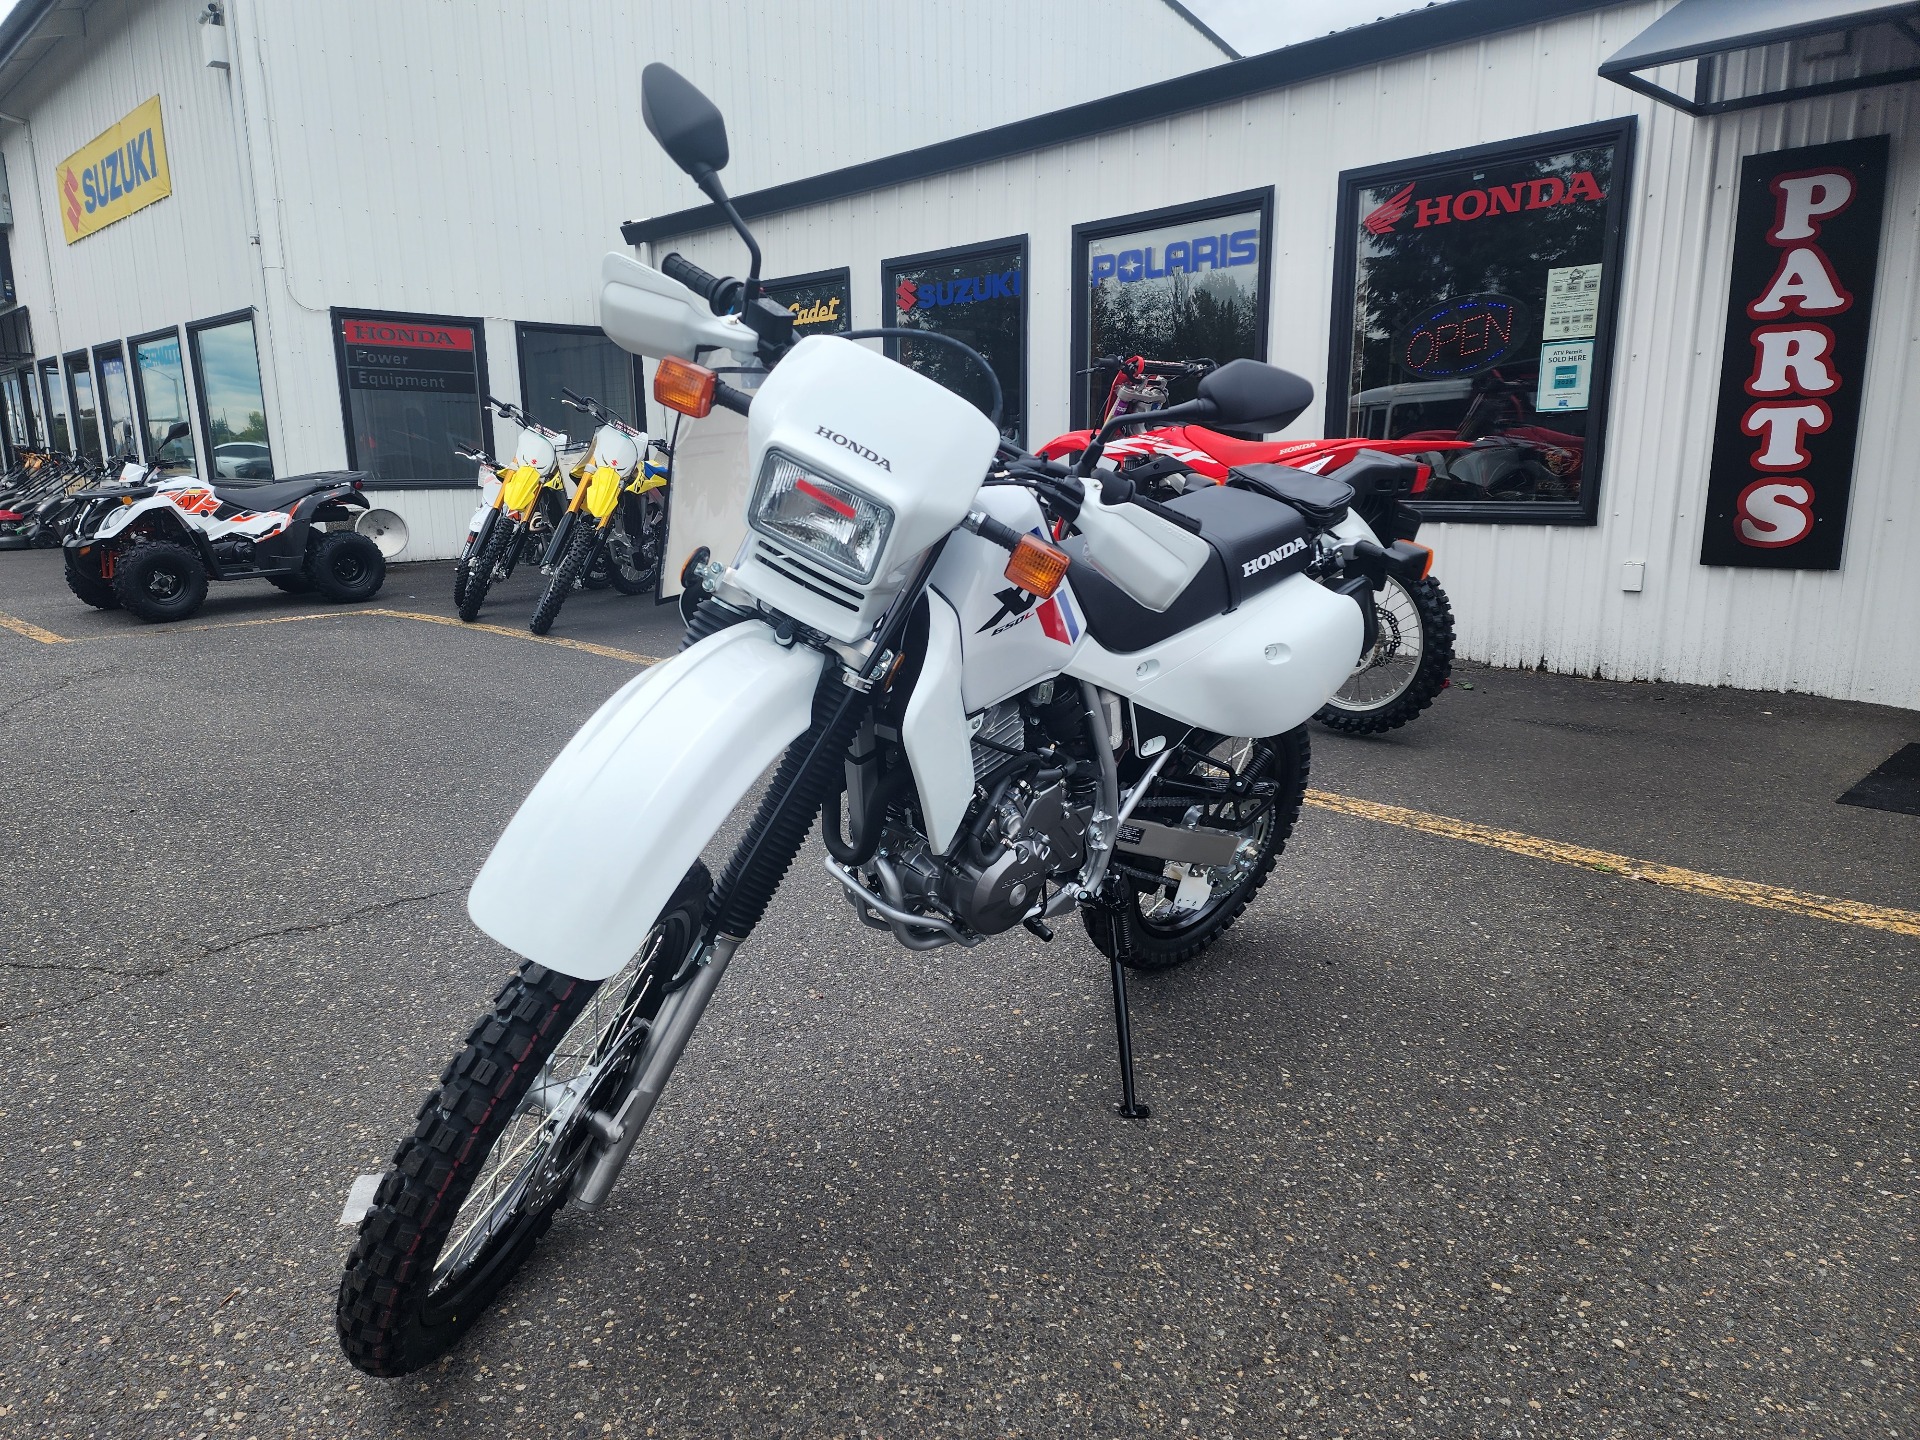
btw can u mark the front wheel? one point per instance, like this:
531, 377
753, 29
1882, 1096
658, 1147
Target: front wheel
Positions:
1156, 915
634, 550
498, 1145
159, 581
89, 585
1407, 666
573, 565
486, 566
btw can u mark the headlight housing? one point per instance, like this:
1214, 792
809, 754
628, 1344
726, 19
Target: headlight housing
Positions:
833, 523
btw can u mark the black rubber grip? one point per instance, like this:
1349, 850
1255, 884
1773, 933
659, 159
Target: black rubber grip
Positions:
728, 397
677, 267
995, 533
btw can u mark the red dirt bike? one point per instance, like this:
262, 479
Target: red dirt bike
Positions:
1410, 653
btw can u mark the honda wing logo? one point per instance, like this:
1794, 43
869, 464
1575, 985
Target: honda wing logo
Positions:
1390, 214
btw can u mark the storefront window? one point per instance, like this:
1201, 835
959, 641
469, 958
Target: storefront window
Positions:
116, 399
586, 362
86, 419
1186, 283
233, 411
161, 381
59, 432
977, 295
36, 407
1474, 306
411, 387
19, 436
822, 303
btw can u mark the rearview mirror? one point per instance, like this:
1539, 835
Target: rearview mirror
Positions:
1249, 395
175, 431
688, 125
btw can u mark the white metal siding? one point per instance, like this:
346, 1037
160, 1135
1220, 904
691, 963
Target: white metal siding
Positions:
1525, 595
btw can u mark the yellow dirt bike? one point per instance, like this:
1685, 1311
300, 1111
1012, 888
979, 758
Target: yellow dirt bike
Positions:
531, 500
616, 522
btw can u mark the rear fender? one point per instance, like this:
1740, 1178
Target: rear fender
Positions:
583, 869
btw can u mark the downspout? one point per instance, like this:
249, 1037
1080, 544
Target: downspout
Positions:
257, 236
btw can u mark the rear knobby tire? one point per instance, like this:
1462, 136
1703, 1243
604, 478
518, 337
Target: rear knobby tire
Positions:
396, 1311
1429, 678
346, 567
1149, 939
159, 581
480, 574
572, 566
90, 586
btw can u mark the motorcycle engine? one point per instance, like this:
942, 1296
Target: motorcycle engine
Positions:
1030, 825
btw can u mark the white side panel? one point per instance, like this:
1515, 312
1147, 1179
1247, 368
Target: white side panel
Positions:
1009, 642
1258, 670
584, 867
934, 730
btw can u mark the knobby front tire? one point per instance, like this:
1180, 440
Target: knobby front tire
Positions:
480, 576
572, 566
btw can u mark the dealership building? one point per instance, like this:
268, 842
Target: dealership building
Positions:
1647, 272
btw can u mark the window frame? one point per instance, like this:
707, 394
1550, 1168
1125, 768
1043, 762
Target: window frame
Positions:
47, 393
482, 386
194, 329
1621, 133
1084, 234
73, 402
890, 344
521, 328
107, 350
174, 332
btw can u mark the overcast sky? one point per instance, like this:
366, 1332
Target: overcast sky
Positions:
1251, 26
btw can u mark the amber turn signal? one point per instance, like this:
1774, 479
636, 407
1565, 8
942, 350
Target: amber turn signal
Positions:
684, 386
1037, 567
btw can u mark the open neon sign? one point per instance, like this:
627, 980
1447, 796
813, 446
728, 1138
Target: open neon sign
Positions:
1461, 337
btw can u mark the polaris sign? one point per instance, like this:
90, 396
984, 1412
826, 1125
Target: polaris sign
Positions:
1178, 257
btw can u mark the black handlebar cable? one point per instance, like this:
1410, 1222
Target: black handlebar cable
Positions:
907, 332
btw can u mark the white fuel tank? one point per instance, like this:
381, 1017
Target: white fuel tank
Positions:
1008, 639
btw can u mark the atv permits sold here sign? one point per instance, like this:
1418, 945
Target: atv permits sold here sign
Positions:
121, 170
1806, 246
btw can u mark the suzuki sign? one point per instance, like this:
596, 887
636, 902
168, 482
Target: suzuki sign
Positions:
121, 170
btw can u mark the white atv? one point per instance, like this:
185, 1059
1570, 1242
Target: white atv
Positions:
151, 545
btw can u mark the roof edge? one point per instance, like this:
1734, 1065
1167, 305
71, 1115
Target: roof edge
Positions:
18, 27
1432, 28
1626, 61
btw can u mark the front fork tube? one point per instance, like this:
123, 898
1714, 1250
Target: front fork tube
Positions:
666, 1040
484, 533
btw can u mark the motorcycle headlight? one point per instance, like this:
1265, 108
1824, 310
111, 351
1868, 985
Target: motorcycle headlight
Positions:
833, 523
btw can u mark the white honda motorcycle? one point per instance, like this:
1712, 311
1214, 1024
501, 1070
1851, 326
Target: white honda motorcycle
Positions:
1000, 728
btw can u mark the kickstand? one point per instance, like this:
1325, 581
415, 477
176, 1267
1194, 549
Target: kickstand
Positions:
1129, 1107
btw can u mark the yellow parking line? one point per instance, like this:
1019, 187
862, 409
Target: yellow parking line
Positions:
31, 630
1720, 887
608, 651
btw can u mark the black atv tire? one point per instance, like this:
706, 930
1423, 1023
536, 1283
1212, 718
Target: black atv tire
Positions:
573, 565
159, 581
91, 589
347, 567
1148, 944
391, 1316
293, 582
1429, 677
480, 573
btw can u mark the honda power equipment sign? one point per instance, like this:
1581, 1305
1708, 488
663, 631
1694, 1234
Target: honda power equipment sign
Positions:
119, 171
1806, 244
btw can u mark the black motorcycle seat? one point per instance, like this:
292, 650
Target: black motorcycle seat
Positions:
1256, 544
282, 494
1374, 472
1323, 499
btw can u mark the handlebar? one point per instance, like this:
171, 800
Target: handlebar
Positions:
721, 292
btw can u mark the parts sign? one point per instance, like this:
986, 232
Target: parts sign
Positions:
119, 171
1805, 249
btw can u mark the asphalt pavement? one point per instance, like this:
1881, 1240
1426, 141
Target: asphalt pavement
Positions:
1447, 1141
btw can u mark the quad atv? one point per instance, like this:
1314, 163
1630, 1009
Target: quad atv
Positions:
151, 546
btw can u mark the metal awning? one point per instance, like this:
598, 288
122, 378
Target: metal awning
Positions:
1708, 56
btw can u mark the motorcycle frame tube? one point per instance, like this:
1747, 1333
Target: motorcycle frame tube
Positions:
581, 872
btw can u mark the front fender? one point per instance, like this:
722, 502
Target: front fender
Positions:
585, 866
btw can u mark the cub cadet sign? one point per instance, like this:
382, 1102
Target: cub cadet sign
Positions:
121, 170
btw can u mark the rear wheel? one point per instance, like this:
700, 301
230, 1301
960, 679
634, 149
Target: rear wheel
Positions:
293, 582
573, 565
160, 581
1407, 666
1162, 915
486, 564
634, 552
498, 1145
346, 566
